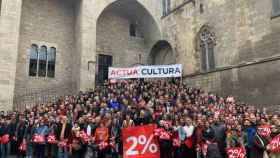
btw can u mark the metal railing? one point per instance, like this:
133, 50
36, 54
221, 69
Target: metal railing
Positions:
31, 97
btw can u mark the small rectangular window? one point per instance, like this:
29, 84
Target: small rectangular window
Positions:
166, 7
132, 30
0, 6
275, 8
51, 62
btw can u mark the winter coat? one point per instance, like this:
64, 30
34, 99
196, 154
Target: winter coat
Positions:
213, 151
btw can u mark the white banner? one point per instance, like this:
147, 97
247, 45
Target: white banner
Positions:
153, 71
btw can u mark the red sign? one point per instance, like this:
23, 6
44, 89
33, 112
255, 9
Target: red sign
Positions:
37, 138
264, 130
236, 153
274, 145
5, 139
51, 139
140, 142
22, 146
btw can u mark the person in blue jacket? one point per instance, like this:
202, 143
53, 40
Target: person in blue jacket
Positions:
114, 104
42, 129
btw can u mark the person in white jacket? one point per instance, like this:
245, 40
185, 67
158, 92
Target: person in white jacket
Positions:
189, 147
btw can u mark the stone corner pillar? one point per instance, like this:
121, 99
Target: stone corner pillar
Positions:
86, 44
9, 40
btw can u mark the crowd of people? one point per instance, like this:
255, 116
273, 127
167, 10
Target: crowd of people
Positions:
195, 123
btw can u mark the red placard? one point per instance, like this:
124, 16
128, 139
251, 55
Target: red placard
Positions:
274, 145
37, 138
264, 130
140, 142
22, 146
236, 152
51, 139
5, 139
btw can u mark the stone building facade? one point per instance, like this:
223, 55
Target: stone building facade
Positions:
225, 46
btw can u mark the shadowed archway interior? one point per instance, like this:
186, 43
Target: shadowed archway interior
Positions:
162, 53
125, 31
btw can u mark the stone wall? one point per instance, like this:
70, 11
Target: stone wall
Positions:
247, 39
113, 39
9, 35
246, 53
88, 13
254, 83
49, 23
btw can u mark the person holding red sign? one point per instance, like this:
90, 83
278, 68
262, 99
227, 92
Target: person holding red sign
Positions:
260, 142
275, 133
5, 132
40, 140
20, 136
188, 143
62, 134
165, 135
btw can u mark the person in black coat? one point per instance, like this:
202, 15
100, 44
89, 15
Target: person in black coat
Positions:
8, 128
259, 146
213, 150
20, 134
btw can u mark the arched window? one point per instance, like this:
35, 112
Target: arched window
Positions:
207, 42
33, 62
51, 62
42, 61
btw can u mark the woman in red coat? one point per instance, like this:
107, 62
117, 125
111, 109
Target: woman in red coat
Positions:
102, 139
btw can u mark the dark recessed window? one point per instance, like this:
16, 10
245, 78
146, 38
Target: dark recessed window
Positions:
33, 62
42, 61
0, 6
132, 30
51, 62
201, 8
166, 7
275, 8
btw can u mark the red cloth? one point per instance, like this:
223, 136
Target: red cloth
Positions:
157, 131
199, 136
165, 135
38, 138
5, 139
176, 140
22, 146
51, 139
102, 135
189, 142
274, 144
62, 143
103, 145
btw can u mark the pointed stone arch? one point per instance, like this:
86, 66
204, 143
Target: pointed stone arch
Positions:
162, 53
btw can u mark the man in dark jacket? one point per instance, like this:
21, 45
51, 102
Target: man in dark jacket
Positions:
213, 150
219, 129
